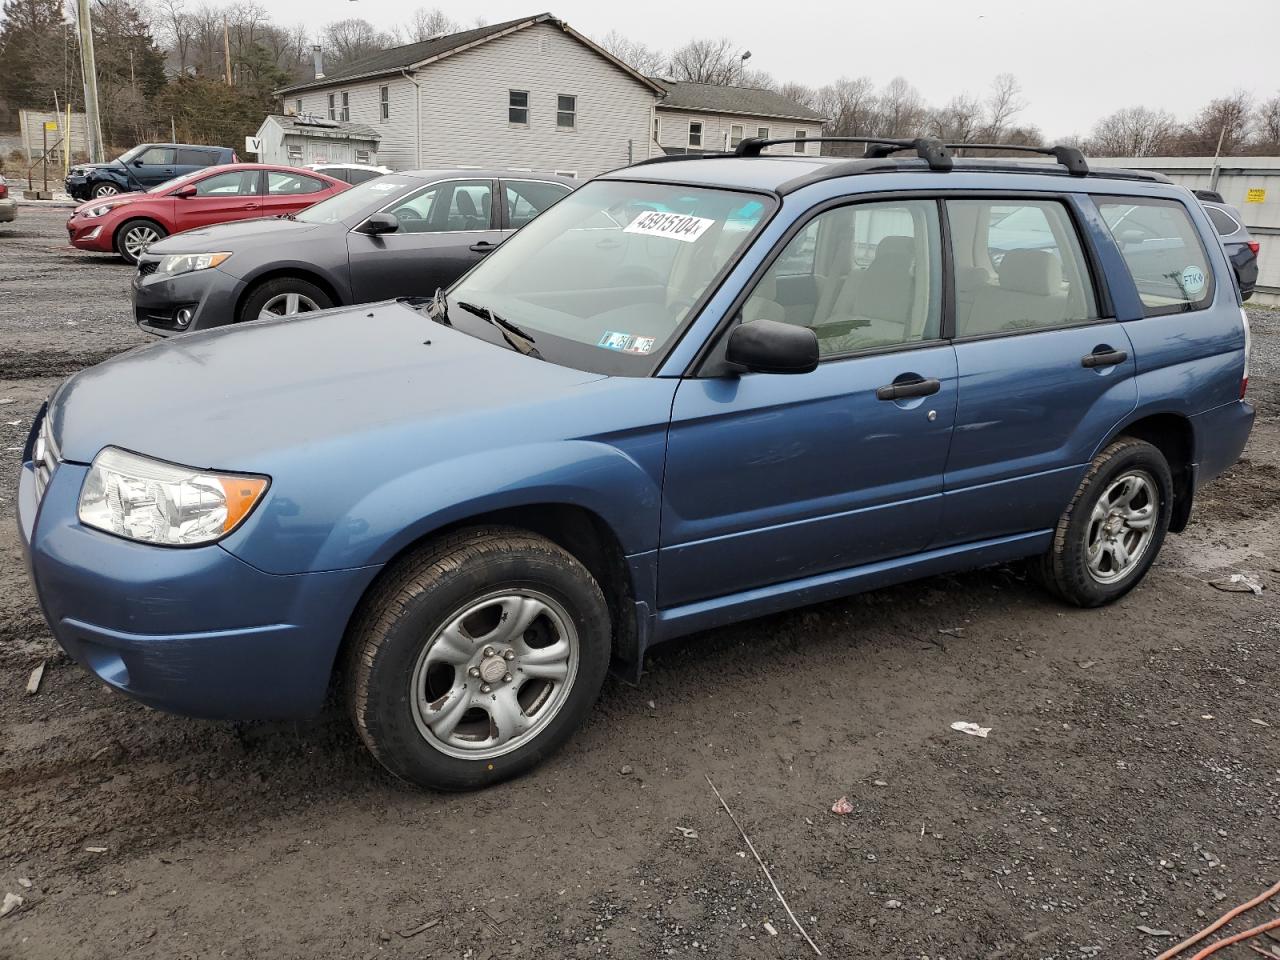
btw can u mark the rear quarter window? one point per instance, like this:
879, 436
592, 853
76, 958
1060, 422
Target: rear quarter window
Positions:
1223, 222
1163, 251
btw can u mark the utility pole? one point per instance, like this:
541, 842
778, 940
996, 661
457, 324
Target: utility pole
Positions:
226, 50
1217, 154
89, 69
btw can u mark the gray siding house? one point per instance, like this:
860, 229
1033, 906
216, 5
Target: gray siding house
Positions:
704, 117
526, 94
297, 140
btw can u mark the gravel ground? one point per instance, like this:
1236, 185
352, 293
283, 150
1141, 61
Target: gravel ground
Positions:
1132, 778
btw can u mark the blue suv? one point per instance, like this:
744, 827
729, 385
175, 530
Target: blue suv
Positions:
690, 393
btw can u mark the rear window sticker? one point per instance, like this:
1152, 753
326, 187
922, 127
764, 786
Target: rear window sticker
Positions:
1192, 280
626, 343
677, 226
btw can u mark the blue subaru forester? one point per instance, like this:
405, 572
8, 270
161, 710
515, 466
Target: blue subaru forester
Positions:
690, 393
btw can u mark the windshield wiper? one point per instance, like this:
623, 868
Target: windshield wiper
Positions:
518, 339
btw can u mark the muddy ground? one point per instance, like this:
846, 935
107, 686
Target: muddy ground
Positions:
1132, 776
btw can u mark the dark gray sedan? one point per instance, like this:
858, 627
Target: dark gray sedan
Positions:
401, 235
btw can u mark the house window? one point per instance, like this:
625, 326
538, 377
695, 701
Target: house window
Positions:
735, 135
695, 133
384, 99
518, 107
295, 153
762, 133
566, 112
362, 156
800, 136
297, 107
657, 129
333, 112
346, 107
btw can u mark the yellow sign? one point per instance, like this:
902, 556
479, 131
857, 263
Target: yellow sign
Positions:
1256, 195
51, 125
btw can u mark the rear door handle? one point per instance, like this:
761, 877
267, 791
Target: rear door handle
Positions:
1104, 357
909, 388
484, 246
251, 206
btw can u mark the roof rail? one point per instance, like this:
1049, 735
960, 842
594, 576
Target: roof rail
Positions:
673, 157
1069, 157
934, 152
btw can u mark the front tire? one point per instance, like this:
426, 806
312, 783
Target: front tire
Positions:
283, 297
1110, 534
103, 190
135, 236
476, 658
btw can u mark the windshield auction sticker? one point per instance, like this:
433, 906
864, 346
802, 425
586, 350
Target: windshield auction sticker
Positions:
626, 343
676, 226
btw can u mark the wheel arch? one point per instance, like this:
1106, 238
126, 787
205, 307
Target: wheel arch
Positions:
298, 271
147, 218
1173, 435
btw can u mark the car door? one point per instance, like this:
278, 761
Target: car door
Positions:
445, 228
1046, 371
776, 477
288, 191
154, 166
219, 198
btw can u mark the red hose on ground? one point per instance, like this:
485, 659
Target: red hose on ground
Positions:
1218, 924
1236, 938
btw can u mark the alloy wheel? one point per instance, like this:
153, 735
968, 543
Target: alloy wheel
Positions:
137, 239
1121, 526
286, 305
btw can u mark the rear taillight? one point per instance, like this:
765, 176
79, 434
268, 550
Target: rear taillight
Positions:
235, 158
4, 191
1254, 246
1248, 346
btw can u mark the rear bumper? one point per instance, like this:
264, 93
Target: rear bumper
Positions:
192, 631
1221, 435
210, 295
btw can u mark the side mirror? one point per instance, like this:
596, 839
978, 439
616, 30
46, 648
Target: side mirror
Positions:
185, 191
769, 346
380, 223
137, 163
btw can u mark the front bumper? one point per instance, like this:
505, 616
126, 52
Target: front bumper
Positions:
90, 234
210, 296
78, 188
193, 631
8, 210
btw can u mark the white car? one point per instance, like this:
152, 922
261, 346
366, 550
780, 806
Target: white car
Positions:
8, 205
352, 173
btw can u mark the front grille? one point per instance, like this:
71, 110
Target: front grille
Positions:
147, 267
44, 457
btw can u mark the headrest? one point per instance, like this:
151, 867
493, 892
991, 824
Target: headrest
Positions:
896, 247
466, 206
1037, 272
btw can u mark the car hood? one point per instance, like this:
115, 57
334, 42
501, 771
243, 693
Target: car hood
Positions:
109, 165
235, 398
119, 200
266, 230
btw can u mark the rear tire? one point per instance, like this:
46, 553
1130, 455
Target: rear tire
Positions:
1110, 534
283, 297
135, 236
476, 658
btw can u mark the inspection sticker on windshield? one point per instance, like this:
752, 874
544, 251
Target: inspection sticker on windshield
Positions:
625, 342
677, 226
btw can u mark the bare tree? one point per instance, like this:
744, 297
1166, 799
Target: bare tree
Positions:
1133, 132
1226, 119
638, 56
801, 94
707, 61
902, 109
1267, 124
353, 38
1003, 103
176, 30
852, 109
426, 22
958, 121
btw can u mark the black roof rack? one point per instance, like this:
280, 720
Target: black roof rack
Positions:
1069, 157
672, 157
933, 152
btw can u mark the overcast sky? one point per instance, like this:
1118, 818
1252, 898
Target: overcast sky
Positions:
1077, 60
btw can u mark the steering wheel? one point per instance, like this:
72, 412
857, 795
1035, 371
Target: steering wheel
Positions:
408, 213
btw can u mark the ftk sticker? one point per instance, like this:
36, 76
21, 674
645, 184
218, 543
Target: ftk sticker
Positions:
1192, 281
677, 226
625, 342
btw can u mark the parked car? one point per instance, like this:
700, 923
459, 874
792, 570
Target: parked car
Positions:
398, 236
145, 166
674, 400
1242, 249
352, 173
8, 205
130, 223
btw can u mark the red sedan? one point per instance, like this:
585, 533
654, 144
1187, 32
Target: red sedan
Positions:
129, 223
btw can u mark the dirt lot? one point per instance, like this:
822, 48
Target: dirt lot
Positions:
1132, 776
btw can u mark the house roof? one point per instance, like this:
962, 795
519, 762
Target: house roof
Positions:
745, 101
413, 55
329, 129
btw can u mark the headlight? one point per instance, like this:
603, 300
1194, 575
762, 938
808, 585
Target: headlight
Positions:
186, 262
157, 502
99, 210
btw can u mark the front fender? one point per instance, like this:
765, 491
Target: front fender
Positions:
592, 474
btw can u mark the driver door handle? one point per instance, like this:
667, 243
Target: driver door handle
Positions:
484, 246
910, 388
1104, 357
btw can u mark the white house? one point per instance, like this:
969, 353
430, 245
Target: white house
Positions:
297, 140
526, 94
706, 117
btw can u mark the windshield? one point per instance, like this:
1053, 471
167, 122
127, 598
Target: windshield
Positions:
606, 279
353, 202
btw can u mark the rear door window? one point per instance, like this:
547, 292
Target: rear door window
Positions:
191, 157
234, 183
1163, 251
280, 184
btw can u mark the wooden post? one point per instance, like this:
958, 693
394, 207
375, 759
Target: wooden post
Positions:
226, 50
